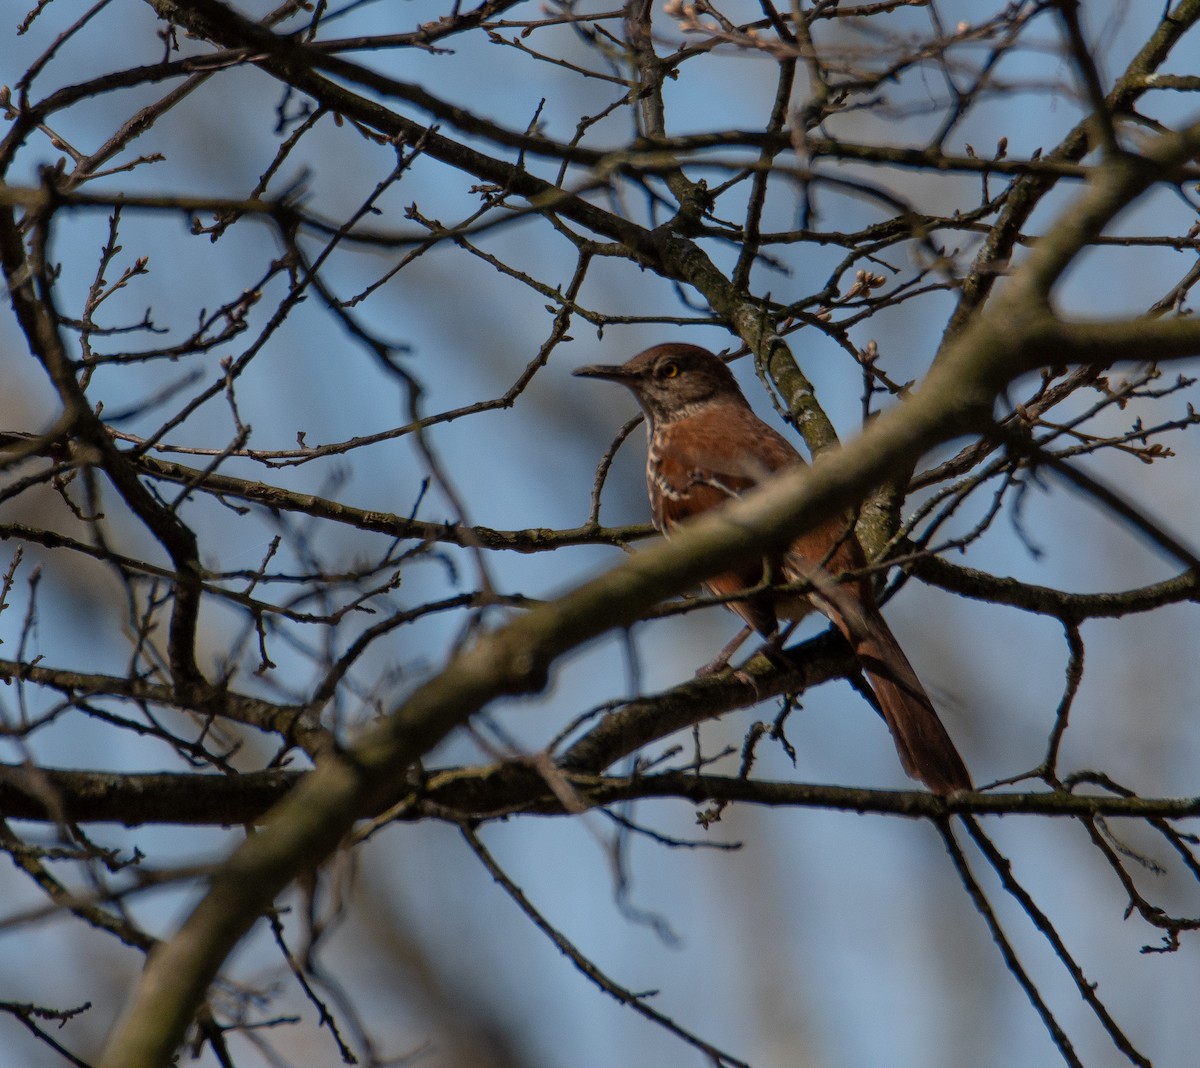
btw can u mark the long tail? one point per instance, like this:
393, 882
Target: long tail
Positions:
925, 748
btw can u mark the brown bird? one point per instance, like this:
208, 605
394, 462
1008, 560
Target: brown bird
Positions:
706, 445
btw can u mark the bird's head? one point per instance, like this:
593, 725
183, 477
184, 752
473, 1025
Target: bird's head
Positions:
672, 381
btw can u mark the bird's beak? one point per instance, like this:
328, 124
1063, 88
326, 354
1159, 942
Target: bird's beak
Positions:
597, 370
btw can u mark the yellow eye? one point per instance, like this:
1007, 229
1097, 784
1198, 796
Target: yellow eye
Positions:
668, 370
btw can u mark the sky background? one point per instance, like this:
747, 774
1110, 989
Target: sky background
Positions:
828, 939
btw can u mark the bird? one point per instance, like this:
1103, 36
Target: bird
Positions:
705, 445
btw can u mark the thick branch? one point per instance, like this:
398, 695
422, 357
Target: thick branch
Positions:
514, 788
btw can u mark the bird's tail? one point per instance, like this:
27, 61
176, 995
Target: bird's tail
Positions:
924, 745
925, 748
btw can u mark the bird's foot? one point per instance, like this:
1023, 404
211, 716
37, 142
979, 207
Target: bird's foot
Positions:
714, 667
721, 661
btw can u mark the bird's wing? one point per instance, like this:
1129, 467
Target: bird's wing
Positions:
702, 461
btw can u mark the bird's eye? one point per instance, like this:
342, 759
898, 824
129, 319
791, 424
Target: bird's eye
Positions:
668, 370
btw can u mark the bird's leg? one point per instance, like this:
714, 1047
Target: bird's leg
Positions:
721, 661
759, 613
772, 647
